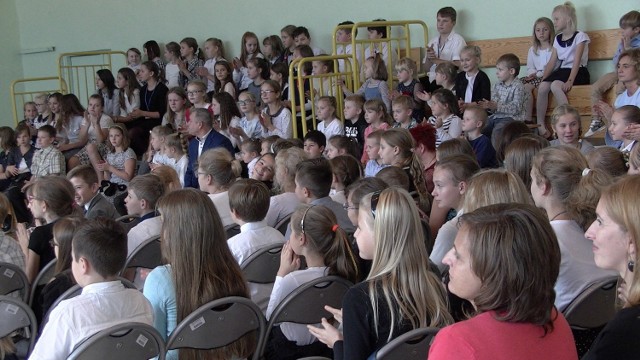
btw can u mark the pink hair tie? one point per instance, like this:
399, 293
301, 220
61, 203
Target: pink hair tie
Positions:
334, 227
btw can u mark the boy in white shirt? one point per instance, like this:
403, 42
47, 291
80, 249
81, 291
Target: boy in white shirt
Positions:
99, 251
445, 47
249, 202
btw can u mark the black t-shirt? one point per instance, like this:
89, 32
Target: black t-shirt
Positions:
40, 243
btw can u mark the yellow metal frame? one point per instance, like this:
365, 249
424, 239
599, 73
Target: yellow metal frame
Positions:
81, 78
23, 95
399, 45
333, 78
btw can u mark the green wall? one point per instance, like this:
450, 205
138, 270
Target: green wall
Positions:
76, 25
10, 61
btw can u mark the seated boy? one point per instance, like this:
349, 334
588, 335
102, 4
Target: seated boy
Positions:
313, 185
444, 48
314, 143
473, 120
508, 97
85, 183
372, 149
142, 194
301, 37
48, 160
344, 47
354, 122
99, 250
382, 48
249, 202
402, 109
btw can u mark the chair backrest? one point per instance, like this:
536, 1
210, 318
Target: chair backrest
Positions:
305, 305
411, 345
262, 266
146, 255
131, 341
232, 230
44, 276
595, 306
12, 278
283, 224
219, 323
15, 315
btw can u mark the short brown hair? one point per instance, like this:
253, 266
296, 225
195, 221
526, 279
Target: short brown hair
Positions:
507, 241
449, 12
84, 172
394, 176
103, 242
404, 101
630, 19
147, 187
250, 199
479, 113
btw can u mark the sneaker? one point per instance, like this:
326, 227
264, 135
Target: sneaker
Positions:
597, 125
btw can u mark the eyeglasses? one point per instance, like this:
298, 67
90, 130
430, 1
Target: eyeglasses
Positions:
266, 91
194, 92
304, 215
244, 102
347, 207
375, 197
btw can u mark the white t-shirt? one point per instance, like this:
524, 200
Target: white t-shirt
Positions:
105, 123
449, 51
567, 53
537, 63
210, 66
334, 128
172, 74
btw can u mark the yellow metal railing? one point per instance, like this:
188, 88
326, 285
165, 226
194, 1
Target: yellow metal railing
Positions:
397, 44
78, 69
24, 90
311, 87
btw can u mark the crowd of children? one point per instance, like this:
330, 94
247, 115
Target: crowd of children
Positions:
383, 190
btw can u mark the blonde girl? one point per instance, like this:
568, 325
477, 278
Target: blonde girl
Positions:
171, 69
249, 125
563, 186
156, 155
217, 170
190, 59
120, 165
329, 123
175, 149
177, 104
444, 108
44, 113
389, 302
376, 115
537, 58
567, 126
214, 52
224, 78
129, 94
375, 85
470, 59
325, 247
571, 52
275, 118
250, 48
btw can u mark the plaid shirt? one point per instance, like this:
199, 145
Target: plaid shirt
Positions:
511, 100
48, 161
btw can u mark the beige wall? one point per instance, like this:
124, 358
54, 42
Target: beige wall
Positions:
77, 25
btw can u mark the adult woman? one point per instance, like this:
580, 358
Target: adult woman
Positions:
505, 261
562, 185
400, 293
201, 269
50, 198
616, 240
153, 105
217, 170
285, 203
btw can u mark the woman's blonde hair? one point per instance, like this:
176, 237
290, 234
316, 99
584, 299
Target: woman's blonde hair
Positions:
495, 186
221, 166
399, 274
202, 267
562, 168
621, 203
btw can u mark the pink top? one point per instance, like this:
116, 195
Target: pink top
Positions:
484, 337
368, 130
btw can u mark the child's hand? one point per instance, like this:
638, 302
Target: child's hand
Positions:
341, 83
202, 71
461, 105
103, 165
181, 64
337, 313
237, 64
265, 120
289, 261
12, 170
632, 132
153, 166
567, 85
603, 109
431, 54
626, 42
423, 95
327, 334
487, 104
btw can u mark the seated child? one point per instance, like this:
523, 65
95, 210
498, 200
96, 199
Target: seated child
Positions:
346, 170
446, 74
329, 125
354, 122
508, 97
99, 251
175, 149
446, 47
250, 153
85, 183
402, 111
409, 85
620, 120
301, 37
266, 144
372, 149
341, 145
344, 46
48, 160
249, 203
382, 48
142, 195
473, 121
313, 185
472, 84
314, 144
